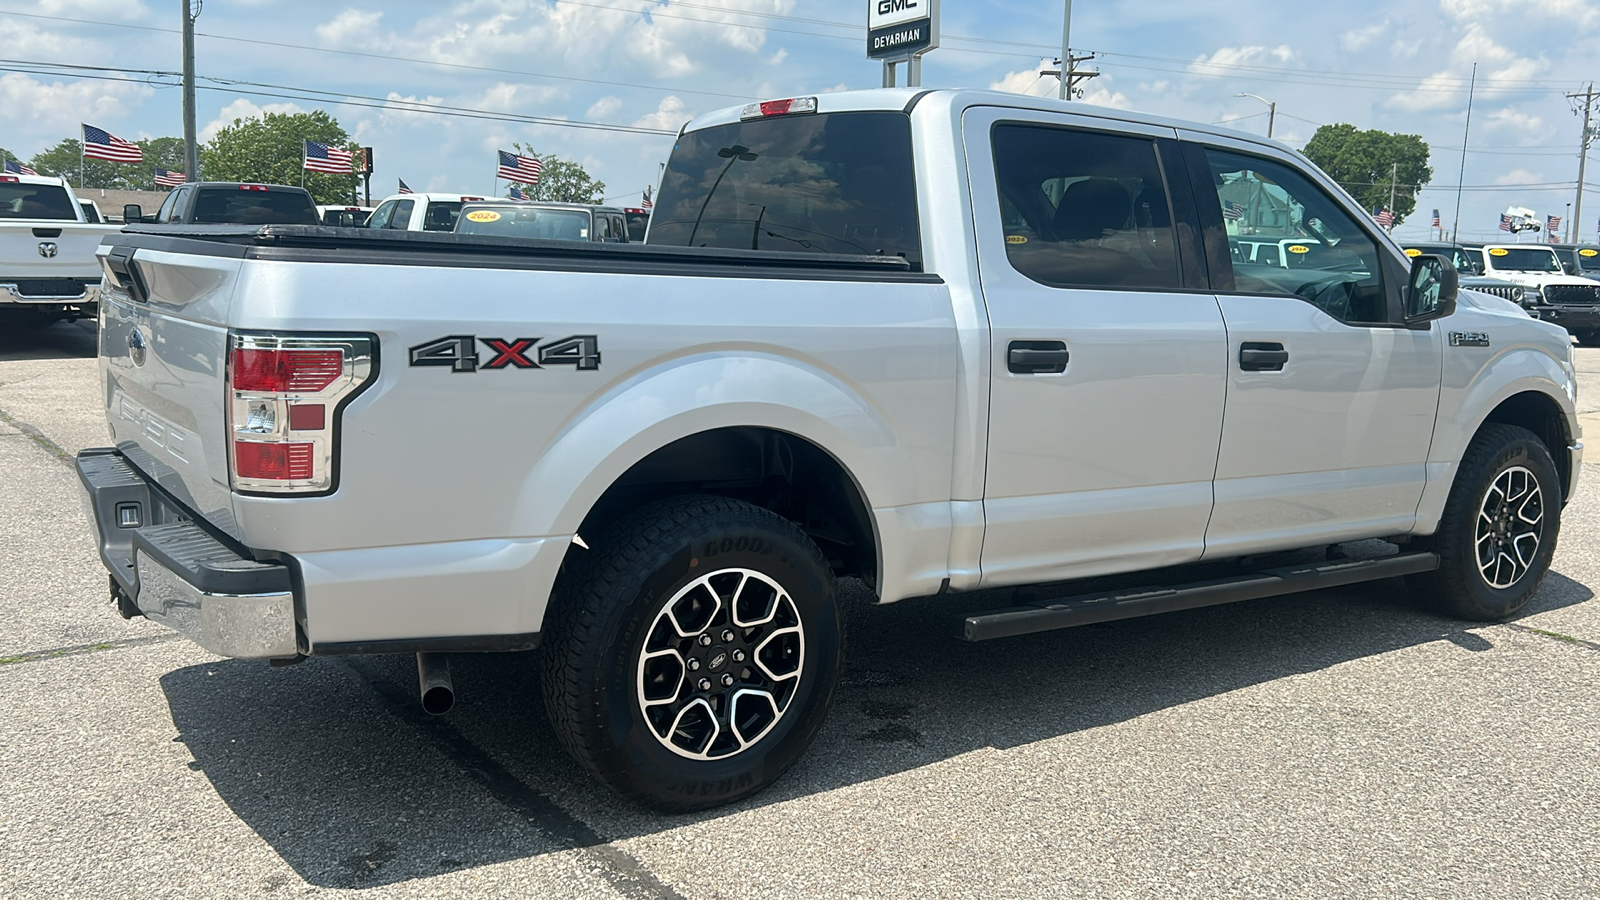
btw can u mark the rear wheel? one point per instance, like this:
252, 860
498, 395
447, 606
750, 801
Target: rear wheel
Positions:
1498, 532
692, 654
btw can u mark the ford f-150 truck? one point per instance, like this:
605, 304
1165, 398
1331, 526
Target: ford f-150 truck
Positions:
48, 269
938, 341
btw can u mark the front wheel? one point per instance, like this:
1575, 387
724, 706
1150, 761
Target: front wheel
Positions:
1498, 532
691, 656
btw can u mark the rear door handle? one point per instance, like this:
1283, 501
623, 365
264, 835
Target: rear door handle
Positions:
1262, 356
1037, 357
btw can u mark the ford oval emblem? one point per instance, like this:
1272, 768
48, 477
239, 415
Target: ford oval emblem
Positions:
136, 347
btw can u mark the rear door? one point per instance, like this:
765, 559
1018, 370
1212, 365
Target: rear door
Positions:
1331, 401
1108, 348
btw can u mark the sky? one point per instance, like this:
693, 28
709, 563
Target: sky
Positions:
386, 69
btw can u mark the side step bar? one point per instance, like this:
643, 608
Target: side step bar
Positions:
1087, 609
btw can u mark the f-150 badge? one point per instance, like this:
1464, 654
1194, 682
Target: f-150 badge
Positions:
460, 353
1469, 339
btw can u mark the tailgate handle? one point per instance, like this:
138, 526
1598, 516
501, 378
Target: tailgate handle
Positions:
120, 262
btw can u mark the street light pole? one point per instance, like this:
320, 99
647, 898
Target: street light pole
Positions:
1272, 110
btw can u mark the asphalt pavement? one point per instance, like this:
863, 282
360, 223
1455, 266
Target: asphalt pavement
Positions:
1342, 743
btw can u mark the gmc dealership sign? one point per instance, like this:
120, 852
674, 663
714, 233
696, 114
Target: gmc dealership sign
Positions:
901, 29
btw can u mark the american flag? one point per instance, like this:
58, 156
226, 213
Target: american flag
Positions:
1232, 211
1385, 218
168, 179
98, 144
17, 168
524, 169
645, 203
323, 158
404, 188
1505, 222
1552, 224
1436, 219
519, 194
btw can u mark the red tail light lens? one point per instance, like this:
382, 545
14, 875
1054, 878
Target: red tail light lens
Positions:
786, 107
276, 462
252, 187
286, 394
286, 371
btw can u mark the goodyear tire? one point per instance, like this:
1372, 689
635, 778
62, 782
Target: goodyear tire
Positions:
1498, 532
691, 656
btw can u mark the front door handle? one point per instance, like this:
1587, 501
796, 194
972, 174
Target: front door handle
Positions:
1037, 357
1262, 356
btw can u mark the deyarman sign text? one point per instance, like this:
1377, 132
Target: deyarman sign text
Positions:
900, 29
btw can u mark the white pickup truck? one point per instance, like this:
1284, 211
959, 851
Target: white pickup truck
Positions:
937, 341
427, 211
48, 269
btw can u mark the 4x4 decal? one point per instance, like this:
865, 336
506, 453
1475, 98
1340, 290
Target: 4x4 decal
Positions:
460, 353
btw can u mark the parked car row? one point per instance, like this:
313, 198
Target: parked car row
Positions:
1556, 282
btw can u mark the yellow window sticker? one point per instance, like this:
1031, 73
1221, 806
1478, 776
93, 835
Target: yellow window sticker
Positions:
1589, 252
1412, 251
483, 215
1016, 239
1299, 248
1498, 251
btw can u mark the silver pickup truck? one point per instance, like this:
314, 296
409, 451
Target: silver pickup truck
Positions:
937, 341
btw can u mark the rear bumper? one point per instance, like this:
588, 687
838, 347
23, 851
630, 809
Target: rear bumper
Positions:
180, 575
11, 293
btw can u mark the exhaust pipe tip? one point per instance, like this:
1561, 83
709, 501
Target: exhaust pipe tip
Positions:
437, 692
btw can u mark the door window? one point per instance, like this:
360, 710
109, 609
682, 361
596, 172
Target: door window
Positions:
602, 229
164, 214
1082, 209
401, 217
1304, 244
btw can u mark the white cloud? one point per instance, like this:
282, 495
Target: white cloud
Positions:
98, 10
241, 109
670, 115
1520, 176
1243, 56
350, 27
1438, 91
1516, 120
1358, 39
1028, 81
43, 108
604, 108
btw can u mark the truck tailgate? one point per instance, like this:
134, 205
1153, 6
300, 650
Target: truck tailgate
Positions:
26, 249
163, 352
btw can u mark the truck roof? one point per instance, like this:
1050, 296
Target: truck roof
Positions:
34, 179
905, 99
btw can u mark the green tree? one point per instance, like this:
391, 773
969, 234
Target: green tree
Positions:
62, 159
1363, 162
7, 154
270, 150
560, 179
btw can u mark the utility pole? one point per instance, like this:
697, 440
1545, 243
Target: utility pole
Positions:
1394, 173
1583, 152
1065, 91
191, 151
1272, 110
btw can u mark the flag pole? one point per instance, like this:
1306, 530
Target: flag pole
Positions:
80, 154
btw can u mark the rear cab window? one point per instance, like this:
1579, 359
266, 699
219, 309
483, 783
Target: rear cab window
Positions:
37, 201
441, 215
241, 206
813, 183
516, 220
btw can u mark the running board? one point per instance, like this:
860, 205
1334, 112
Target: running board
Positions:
1087, 609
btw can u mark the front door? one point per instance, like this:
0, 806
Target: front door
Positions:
1331, 401
1107, 355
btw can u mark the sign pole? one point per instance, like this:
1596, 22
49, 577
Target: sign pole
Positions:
900, 31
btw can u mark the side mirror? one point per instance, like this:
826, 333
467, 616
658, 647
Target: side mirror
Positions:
1431, 293
132, 212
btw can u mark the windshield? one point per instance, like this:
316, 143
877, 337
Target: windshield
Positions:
1525, 259
36, 201
835, 183
238, 206
1587, 258
527, 222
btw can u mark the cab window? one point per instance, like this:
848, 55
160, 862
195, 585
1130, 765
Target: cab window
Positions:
1082, 209
1307, 246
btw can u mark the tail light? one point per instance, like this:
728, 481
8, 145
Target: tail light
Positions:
788, 107
285, 396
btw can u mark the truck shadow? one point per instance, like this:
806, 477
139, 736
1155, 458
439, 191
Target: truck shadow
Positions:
63, 340
333, 765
